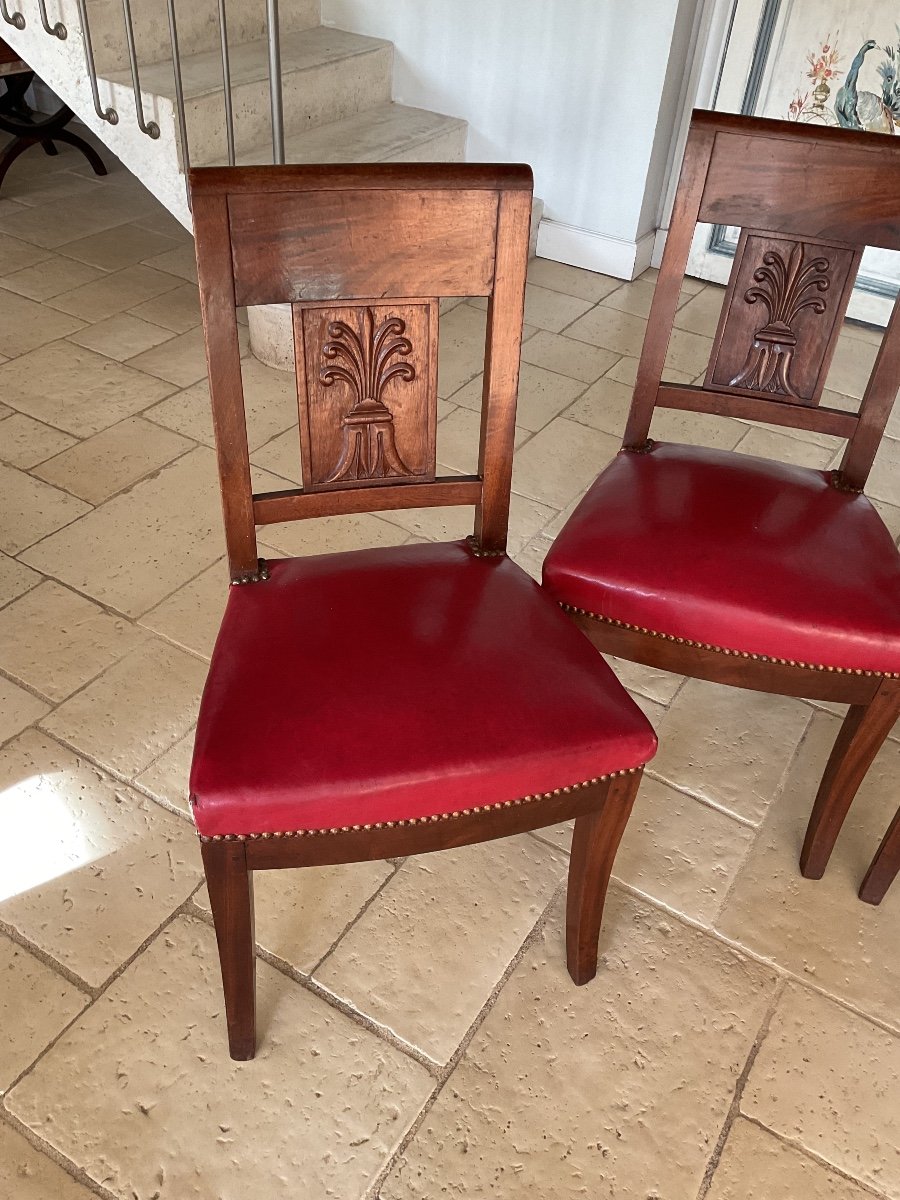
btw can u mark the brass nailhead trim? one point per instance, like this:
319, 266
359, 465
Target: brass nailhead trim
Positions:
683, 641
475, 549
836, 479
463, 812
260, 575
646, 447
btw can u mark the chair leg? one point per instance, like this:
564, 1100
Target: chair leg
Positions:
595, 841
230, 886
864, 729
884, 866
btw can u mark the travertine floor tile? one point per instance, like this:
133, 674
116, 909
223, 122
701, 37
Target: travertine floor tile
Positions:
611, 329
826, 1079
15, 578
113, 293
270, 400
649, 681
616, 1089
818, 928
90, 868
102, 465
29, 1175
526, 518
688, 352
546, 308
331, 535
460, 348
178, 310
29, 509
531, 557
755, 1164
28, 325
180, 262
766, 444
587, 285
115, 249
75, 389
851, 366
15, 254
60, 220
192, 615
542, 396
167, 778
36, 1005
49, 278
729, 745
567, 356
427, 953
604, 406
884, 481
55, 640
25, 442
625, 371
121, 337
635, 297
558, 463
164, 1110
701, 314
140, 546
301, 914
135, 710
281, 456
457, 440
181, 361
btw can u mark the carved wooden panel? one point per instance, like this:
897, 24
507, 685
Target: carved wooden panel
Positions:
367, 387
781, 316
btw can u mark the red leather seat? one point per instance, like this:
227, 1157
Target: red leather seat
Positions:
738, 552
386, 684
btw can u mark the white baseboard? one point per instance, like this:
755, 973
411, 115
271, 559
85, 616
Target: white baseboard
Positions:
594, 251
659, 244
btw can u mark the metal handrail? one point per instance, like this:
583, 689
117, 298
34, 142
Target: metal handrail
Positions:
275, 91
58, 30
108, 114
226, 83
16, 19
151, 129
179, 95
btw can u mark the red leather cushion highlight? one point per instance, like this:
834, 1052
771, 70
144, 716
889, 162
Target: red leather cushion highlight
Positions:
394, 683
734, 550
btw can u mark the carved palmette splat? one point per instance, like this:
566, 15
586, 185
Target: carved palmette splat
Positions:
368, 392
781, 316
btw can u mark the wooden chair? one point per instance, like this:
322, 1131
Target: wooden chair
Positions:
386, 702
733, 568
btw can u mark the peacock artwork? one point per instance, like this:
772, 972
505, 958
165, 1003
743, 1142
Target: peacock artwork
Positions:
854, 107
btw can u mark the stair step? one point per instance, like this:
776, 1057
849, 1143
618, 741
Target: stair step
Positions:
384, 133
327, 75
198, 27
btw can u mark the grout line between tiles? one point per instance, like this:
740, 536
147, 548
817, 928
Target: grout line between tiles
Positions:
360, 914
735, 1107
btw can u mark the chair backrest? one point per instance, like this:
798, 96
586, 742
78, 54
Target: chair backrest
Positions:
363, 254
808, 200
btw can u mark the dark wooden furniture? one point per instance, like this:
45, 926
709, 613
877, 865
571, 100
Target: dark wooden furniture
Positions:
386, 702
28, 130
733, 568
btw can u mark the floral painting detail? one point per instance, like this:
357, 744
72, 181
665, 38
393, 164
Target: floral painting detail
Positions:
824, 66
786, 289
362, 360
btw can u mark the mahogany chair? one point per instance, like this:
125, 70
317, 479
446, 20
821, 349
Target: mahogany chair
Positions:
386, 702
734, 568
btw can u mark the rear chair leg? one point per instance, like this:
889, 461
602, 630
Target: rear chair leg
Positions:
230, 886
884, 867
864, 729
595, 841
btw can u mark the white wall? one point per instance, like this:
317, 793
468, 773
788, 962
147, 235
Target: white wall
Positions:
584, 90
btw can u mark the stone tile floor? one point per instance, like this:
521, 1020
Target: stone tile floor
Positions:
419, 1034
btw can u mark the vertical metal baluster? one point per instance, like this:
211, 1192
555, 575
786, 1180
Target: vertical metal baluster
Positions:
16, 19
226, 80
58, 30
151, 129
108, 114
275, 81
179, 98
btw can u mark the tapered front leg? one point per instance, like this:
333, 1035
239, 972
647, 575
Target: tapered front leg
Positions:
885, 866
230, 886
861, 736
595, 840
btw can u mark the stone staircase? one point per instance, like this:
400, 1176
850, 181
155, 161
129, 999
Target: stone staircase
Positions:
336, 89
